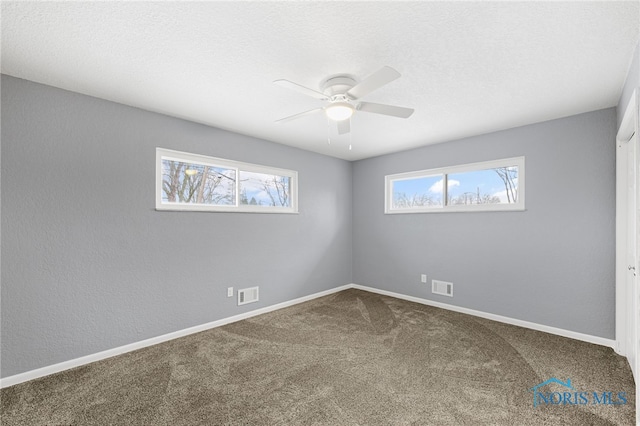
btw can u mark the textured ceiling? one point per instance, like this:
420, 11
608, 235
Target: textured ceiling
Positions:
467, 67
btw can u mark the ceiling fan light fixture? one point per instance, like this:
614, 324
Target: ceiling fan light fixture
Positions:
339, 111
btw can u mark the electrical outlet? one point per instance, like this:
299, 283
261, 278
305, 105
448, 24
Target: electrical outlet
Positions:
230, 292
423, 278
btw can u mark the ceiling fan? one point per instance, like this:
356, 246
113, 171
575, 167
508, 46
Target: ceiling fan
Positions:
342, 93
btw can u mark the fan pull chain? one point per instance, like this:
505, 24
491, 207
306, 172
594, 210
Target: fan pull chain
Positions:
328, 132
350, 133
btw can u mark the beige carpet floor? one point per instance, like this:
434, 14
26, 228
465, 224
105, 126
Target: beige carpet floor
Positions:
351, 358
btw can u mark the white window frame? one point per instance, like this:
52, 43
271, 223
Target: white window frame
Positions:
444, 172
168, 154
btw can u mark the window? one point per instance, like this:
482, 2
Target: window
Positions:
198, 183
488, 186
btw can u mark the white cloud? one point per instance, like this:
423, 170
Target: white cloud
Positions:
436, 188
502, 195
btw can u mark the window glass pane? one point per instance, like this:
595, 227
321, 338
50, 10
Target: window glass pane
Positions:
191, 183
490, 186
423, 191
260, 189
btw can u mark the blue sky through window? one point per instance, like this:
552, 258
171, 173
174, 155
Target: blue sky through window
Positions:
484, 183
495, 186
421, 191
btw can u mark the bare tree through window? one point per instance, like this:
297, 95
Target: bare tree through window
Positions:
402, 200
509, 176
262, 189
197, 183
193, 182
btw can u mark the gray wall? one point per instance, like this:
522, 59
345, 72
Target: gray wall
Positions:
89, 265
552, 264
632, 82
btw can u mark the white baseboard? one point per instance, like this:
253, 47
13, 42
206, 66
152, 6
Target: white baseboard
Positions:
77, 362
507, 320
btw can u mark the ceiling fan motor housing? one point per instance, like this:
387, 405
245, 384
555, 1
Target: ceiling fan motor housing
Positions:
338, 85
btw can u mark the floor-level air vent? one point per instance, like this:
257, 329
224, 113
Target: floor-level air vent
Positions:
442, 288
247, 295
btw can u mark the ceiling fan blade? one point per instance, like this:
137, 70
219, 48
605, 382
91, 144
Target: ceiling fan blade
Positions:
344, 126
298, 115
376, 80
394, 111
301, 89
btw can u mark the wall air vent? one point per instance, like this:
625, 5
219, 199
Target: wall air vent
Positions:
247, 295
442, 288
